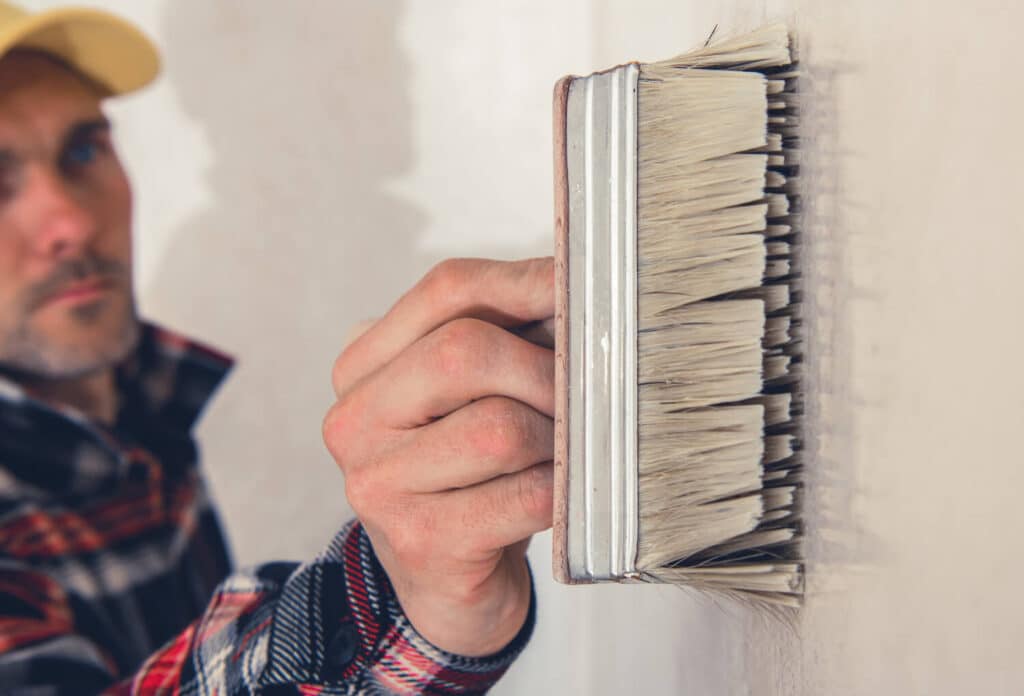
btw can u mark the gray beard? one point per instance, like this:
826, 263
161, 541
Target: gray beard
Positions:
40, 357
25, 351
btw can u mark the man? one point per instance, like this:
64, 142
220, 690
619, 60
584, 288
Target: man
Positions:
113, 572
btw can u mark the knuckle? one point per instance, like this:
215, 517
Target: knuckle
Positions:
446, 282
332, 430
459, 345
347, 434
361, 492
501, 429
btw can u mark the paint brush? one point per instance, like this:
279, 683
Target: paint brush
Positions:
678, 349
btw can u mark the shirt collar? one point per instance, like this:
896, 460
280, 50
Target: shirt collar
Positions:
167, 375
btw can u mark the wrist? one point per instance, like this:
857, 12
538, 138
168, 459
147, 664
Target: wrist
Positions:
475, 627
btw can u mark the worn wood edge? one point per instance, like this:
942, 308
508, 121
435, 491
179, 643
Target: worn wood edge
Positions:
560, 512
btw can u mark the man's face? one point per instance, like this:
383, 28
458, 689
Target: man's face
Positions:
66, 303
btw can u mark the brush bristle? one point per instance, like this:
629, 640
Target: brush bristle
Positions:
718, 320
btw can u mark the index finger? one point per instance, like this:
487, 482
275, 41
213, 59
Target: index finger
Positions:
505, 293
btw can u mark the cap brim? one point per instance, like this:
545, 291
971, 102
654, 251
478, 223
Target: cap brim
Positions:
102, 46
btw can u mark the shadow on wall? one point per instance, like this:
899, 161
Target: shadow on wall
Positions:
839, 546
307, 116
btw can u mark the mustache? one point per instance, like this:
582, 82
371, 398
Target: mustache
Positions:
82, 268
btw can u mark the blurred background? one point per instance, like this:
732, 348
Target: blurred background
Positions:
300, 164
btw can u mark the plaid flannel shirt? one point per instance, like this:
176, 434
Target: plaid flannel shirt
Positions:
114, 574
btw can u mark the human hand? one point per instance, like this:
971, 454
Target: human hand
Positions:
443, 428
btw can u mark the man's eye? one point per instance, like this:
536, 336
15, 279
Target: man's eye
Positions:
81, 153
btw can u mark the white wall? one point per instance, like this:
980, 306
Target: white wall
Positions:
917, 387
301, 163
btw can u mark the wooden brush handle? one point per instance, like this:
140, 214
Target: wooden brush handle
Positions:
560, 565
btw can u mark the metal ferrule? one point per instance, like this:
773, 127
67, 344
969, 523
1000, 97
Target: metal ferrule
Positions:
601, 157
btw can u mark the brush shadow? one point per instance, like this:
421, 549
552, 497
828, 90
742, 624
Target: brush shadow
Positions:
837, 544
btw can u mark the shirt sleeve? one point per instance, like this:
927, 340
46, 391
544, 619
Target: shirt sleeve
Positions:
330, 626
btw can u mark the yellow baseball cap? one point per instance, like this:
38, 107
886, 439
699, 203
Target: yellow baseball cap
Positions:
102, 46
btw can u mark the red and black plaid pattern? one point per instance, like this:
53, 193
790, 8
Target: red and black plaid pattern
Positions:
114, 574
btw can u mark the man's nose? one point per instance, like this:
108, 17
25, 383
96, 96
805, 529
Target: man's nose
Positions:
63, 224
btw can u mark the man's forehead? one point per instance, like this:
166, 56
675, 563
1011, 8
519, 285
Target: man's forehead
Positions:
23, 66
41, 98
